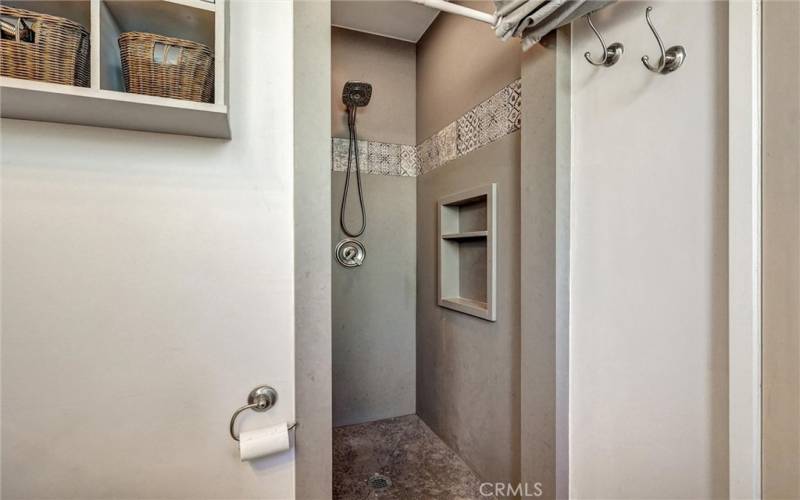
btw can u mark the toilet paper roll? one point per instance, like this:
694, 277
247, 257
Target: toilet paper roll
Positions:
263, 442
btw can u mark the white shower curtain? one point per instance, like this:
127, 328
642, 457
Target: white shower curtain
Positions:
531, 20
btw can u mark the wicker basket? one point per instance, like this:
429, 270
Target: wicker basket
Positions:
167, 67
42, 47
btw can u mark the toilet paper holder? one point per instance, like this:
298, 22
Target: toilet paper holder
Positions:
260, 399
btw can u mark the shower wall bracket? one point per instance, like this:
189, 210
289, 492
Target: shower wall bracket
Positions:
467, 251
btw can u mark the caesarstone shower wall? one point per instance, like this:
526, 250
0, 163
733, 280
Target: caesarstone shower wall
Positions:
374, 306
468, 134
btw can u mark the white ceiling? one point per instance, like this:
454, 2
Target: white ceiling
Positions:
399, 19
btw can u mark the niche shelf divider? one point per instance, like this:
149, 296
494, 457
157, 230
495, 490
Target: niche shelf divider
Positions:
467, 251
104, 103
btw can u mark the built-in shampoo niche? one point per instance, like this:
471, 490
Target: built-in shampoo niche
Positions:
467, 222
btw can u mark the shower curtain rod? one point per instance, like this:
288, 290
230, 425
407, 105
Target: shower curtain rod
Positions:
460, 10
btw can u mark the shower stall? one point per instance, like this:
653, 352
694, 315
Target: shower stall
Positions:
408, 372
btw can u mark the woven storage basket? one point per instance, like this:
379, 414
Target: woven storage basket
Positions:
58, 53
167, 67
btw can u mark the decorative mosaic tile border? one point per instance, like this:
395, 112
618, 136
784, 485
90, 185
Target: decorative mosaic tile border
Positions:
377, 158
487, 122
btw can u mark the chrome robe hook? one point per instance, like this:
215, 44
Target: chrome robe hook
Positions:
611, 54
671, 59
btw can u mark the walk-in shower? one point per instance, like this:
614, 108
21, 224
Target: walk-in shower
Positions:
405, 369
350, 251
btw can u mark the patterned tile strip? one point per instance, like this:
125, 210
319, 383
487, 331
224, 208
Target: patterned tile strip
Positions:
377, 158
489, 121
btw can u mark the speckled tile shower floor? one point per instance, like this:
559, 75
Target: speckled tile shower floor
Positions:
418, 463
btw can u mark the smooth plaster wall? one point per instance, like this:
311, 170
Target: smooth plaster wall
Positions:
781, 250
390, 66
374, 308
648, 400
460, 63
462, 359
148, 280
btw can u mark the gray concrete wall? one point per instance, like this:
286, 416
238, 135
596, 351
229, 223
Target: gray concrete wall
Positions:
467, 367
374, 307
389, 65
781, 259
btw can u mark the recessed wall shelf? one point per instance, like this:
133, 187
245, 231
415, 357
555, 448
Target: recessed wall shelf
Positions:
104, 103
467, 252
465, 236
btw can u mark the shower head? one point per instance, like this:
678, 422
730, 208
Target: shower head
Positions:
356, 94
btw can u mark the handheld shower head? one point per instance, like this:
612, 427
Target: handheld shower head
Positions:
356, 94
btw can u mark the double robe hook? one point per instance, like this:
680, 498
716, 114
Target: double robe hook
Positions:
671, 59
611, 54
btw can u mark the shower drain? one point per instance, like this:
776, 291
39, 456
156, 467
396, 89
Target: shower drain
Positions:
379, 482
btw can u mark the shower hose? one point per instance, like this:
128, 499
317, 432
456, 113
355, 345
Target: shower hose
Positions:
352, 151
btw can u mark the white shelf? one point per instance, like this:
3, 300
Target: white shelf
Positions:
104, 104
49, 102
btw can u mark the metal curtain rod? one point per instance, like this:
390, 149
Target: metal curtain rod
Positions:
460, 10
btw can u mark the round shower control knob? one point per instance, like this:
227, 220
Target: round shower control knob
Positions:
350, 252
